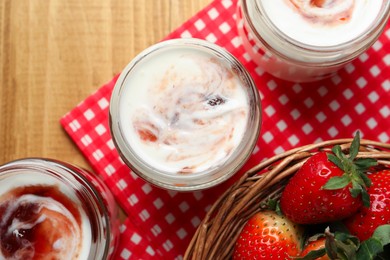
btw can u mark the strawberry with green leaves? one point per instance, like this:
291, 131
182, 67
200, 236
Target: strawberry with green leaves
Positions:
367, 219
328, 187
330, 245
268, 235
344, 246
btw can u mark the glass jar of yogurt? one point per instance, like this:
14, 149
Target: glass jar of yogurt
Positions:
308, 40
185, 114
53, 210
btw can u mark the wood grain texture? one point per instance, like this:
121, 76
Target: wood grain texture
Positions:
55, 53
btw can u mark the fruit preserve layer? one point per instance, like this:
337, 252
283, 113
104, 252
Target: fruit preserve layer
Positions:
40, 221
322, 22
183, 111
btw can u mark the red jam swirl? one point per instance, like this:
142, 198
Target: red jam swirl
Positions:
39, 222
330, 12
196, 118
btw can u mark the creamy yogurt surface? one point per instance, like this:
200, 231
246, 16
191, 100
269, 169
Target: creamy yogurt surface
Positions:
183, 111
322, 22
41, 218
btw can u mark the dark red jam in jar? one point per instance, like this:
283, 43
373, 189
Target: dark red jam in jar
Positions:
52, 210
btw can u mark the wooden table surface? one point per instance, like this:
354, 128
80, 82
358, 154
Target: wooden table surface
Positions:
55, 53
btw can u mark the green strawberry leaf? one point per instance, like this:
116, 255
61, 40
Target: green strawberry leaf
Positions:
271, 204
366, 180
383, 234
365, 198
356, 189
354, 170
347, 239
359, 187
370, 248
278, 210
363, 164
354, 149
275, 206
330, 245
347, 245
334, 159
338, 182
345, 251
341, 245
338, 151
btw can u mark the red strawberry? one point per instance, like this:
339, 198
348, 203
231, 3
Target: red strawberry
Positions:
305, 201
267, 235
315, 245
327, 187
366, 220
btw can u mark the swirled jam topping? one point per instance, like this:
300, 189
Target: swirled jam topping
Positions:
325, 11
184, 111
39, 222
322, 22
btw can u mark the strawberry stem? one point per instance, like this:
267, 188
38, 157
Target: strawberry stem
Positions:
330, 244
354, 171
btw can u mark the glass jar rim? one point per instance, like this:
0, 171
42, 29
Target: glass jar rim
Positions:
377, 24
70, 174
165, 179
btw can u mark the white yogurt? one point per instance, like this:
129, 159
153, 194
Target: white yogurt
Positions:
71, 240
309, 40
330, 23
183, 112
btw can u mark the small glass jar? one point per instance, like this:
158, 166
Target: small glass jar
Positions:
174, 113
52, 201
285, 57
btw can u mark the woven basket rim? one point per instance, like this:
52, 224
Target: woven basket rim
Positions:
218, 231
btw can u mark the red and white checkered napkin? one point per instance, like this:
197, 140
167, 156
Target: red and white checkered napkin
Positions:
160, 223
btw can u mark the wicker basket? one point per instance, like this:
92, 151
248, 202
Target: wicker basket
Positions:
217, 233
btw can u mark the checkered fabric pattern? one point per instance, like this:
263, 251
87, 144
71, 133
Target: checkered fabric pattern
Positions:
161, 223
